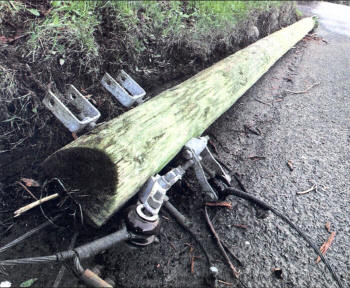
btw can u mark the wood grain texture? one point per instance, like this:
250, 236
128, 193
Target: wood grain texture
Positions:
143, 140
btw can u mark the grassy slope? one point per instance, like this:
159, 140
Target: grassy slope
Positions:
80, 35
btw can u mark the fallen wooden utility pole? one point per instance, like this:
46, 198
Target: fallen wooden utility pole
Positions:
115, 159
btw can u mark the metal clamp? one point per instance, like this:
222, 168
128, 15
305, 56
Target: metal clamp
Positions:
124, 88
73, 110
197, 154
205, 165
153, 193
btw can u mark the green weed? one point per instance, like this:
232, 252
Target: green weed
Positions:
70, 25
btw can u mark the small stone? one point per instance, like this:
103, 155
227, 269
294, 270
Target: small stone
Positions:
214, 270
5, 284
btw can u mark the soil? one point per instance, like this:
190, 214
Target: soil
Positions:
309, 129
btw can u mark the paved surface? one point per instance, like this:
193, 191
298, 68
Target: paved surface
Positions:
310, 129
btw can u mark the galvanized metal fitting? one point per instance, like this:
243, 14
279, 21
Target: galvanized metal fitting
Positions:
142, 230
124, 88
72, 109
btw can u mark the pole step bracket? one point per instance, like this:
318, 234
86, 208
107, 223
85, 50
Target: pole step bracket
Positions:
72, 109
124, 88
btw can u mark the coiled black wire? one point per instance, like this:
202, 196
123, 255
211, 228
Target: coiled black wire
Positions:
266, 206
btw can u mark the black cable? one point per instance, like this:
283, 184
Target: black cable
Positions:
63, 268
266, 206
33, 260
83, 252
28, 234
181, 219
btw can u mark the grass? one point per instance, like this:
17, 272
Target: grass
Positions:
77, 21
196, 20
65, 35
7, 83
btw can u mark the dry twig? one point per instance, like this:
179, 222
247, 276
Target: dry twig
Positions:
304, 91
231, 253
254, 158
326, 245
225, 283
251, 130
328, 226
262, 102
172, 245
191, 247
192, 263
240, 226
23, 209
25, 188
219, 204
222, 249
308, 190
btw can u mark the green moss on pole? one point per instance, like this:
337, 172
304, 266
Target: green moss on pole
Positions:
143, 140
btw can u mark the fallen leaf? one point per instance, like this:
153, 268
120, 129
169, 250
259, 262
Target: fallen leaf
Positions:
219, 204
34, 12
325, 246
30, 182
28, 283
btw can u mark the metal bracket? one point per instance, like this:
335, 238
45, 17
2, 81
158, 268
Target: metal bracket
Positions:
154, 192
202, 179
196, 152
212, 166
73, 110
204, 162
124, 88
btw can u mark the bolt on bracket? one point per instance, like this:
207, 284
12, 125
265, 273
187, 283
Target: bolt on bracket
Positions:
72, 109
124, 88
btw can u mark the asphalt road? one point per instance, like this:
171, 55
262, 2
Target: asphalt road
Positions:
311, 130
